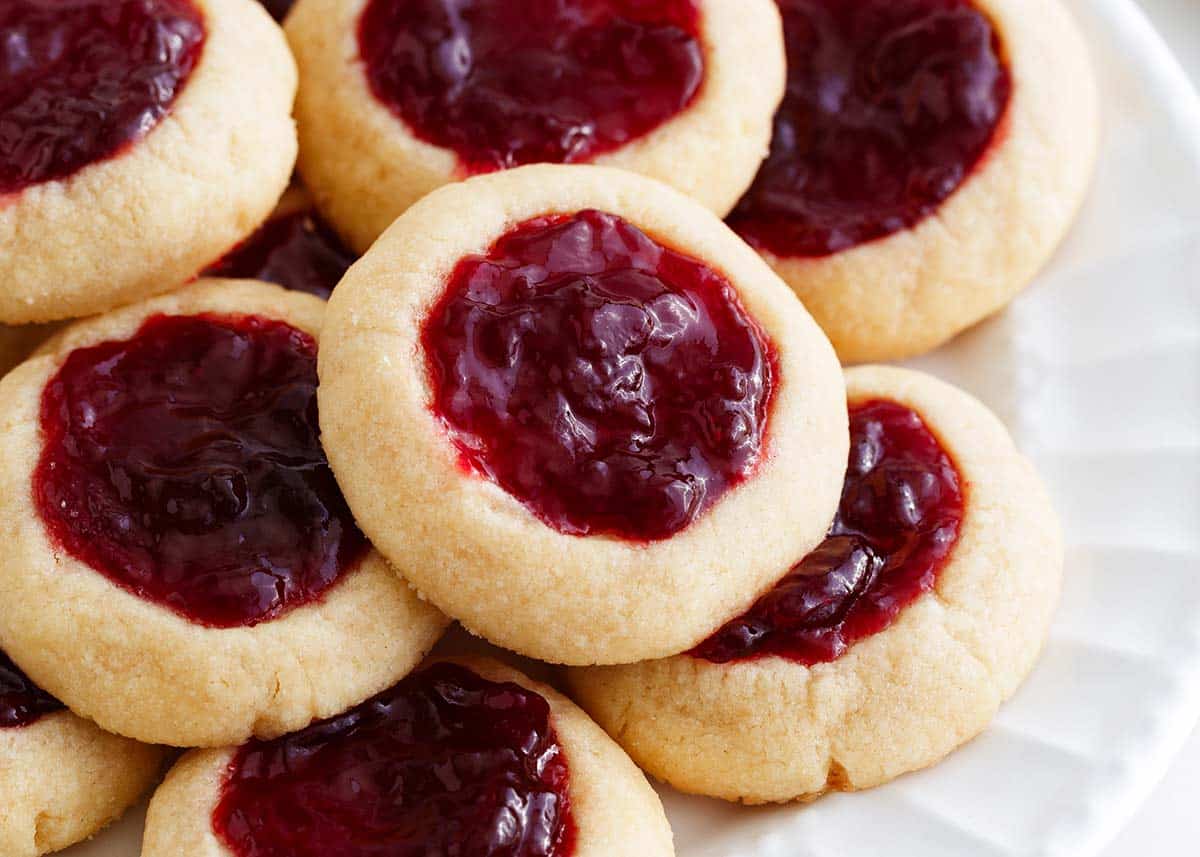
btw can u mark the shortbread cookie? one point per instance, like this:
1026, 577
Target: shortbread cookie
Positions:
163, 486
465, 756
887, 647
62, 779
399, 97
142, 139
565, 399
928, 158
295, 249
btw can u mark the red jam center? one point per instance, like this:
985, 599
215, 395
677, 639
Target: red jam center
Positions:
889, 106
608, 383
185, 464
297, 251
510, 82
21, 701
899, 519
444, 763
82, 79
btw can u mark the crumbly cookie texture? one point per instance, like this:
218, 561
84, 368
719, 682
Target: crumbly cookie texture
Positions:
365, 166
476, 551
64, 780
772, 730
914, 290
140, 670
616, 812
146, 221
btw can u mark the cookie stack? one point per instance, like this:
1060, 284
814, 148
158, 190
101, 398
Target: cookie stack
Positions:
494, 357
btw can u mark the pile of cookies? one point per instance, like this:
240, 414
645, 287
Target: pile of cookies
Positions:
546, 338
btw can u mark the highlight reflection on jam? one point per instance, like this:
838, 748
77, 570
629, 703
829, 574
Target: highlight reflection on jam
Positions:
899, 519
82, 79
608, 383
297, 251
185, 465
889, 106
21, 701
510, 82
445, 762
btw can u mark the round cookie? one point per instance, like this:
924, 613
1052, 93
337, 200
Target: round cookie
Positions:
830, 683
294, 248
62, 778
207, 580
563, 395
118, 183
586, 798
928, 158
690, 104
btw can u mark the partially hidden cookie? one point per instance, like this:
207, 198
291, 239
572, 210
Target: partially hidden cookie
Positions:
295, 248
179, 564
928, 158
566, 398
887, 647
143, 139
465, 756
62, 779
399, 97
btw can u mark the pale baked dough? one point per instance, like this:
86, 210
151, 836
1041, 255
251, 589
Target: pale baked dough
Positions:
147, 220
913, 290
365, 166
62, 780
141, 670
774, 730
616, 812
477, 552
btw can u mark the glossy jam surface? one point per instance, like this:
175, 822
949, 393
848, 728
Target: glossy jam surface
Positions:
509, 82
297, 251
21, 701
82, 79
185, 464
901, 511
890, 105
444, 763
608, 383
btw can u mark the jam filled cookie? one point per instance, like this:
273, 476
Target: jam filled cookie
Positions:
561, 396
142, 139
295, 249
928, 158
399, 97
465, 756
165, 489
61, 778
884, 649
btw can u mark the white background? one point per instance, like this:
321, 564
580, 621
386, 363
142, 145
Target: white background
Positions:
1168, 825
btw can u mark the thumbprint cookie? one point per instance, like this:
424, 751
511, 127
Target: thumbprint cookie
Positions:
142, 139
465, 756
399, 97
565, 398
180, 566
928, 158
884, 649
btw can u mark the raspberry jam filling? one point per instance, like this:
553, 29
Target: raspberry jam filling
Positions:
21, 701
185, 464
899, 519
509, 82
445, 763
608, 383
80, 80
297, 251
890, 105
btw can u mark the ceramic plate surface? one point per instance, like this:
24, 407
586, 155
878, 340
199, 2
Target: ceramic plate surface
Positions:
1097, 371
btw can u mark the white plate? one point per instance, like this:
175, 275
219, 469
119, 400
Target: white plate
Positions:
1097, 371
